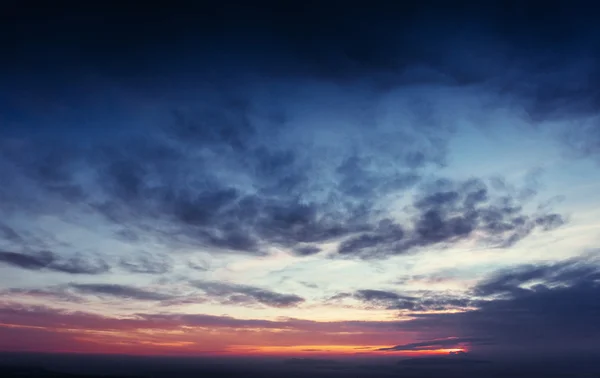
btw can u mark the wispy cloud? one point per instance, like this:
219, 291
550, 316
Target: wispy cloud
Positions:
121, 291
146, 263
247, 295
449, 343
46, 260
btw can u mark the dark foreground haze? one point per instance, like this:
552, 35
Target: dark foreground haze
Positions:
70, 366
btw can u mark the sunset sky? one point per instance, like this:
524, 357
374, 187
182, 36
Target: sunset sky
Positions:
321, 180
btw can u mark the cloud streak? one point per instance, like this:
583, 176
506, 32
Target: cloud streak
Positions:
121, 291
227, 293
146, 264
46, 260
450, 343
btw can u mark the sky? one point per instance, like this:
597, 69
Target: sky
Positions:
301, 180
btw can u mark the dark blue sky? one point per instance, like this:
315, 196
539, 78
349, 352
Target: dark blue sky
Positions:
308, 179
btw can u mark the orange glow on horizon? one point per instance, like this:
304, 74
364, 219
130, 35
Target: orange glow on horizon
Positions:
337, 350
172, 342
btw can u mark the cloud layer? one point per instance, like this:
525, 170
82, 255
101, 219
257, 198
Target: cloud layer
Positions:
384, 177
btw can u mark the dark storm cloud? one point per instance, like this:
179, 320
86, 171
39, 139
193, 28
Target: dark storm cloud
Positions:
449, 343
46, 260
555, 311
510, 282
547, 318
121, 291
247, 295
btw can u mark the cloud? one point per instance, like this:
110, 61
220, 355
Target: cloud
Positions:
145, 193
31, 262
121, 291
52, 168
532, 310
421, 301
510, 282
308, 250
528, 310
355, 118
243, 295
547, 67
234, 173
558, 317
8, 233
448, 212
80, 265
543, 320
157, 190
54, 293
146, 263
46, 260
449, 343
388, 300
42, 316
227, 175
